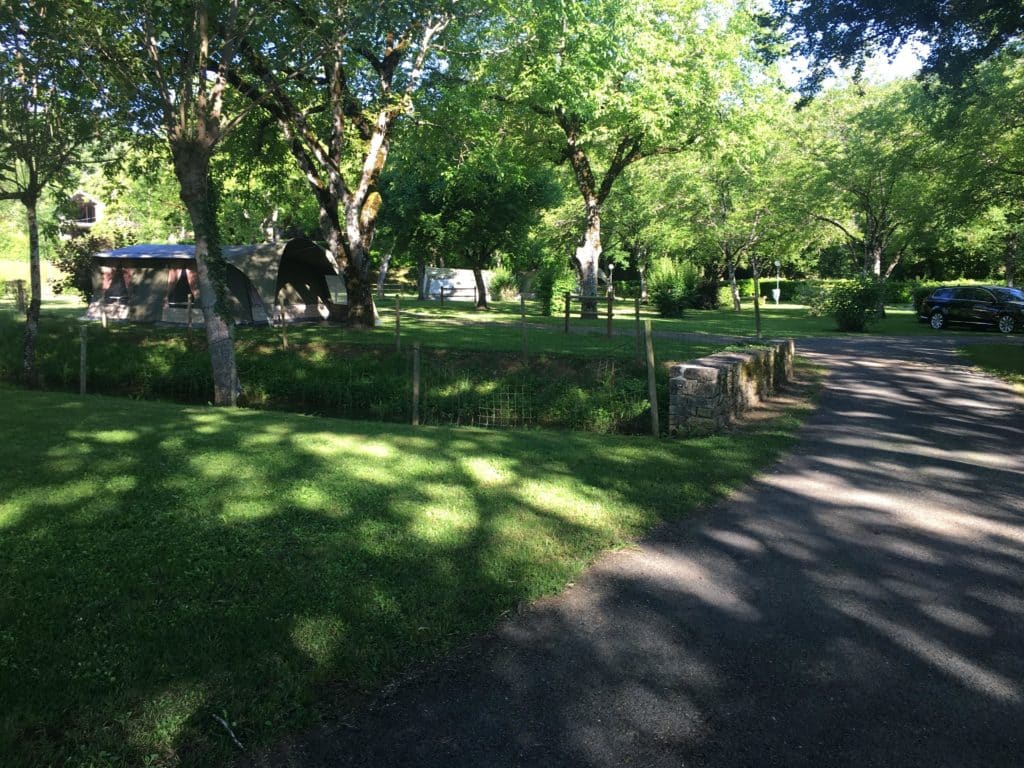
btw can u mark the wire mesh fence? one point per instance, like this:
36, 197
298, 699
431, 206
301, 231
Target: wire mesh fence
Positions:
497, 389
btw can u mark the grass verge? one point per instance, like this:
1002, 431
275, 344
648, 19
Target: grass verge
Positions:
165, 564
1003, 360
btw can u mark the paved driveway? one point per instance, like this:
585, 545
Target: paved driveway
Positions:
861, 604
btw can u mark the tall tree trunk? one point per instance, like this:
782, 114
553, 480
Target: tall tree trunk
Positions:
421, 276
1010, 257
192, 167
643, 283
30, 374
734, 287
481, 288
755, 267
873, 268
588, 253
383, 274
358, 282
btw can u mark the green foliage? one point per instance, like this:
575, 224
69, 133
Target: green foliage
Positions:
552, 282
704, 295
671, 286
504, 285
809, 292
74, 257
853, 304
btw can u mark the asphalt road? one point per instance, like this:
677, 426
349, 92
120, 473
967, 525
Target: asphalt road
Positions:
860, 604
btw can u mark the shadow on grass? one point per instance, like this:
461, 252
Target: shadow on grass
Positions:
861, 604
165, 565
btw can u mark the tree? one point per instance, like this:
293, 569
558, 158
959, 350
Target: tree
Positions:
872, 172
47, 117
959, 33
165, 69
619, 82
467, 186
336, 80
983, 130
741, 198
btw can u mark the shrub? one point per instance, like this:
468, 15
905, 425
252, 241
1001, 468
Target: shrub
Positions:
704, 295
670, 286
809, 292
551, 283
74, 258
504, 285
627, 289
852, 303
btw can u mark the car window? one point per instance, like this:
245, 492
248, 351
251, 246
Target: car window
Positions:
960, 293
1009, 294
978, 294
942, 293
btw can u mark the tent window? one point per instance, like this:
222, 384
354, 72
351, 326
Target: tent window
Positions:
181, 291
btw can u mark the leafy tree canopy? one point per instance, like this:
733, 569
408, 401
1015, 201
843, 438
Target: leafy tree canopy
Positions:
959, 33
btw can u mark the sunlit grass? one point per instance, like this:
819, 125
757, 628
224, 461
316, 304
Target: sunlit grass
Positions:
1003, 360
164, 564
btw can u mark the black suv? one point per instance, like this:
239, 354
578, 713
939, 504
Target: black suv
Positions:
995, 306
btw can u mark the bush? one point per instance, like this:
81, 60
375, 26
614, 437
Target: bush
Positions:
74, 258
810, 292
551, 283
504, 285
704, 295
670, 286
626, 289
852, 303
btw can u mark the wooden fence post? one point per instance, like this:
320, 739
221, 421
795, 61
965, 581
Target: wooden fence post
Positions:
22, 306
416, 384
398, 323
611, 310
652, 387
284, 328
82, 364
639, 333
522, 319
189, 326
567, 301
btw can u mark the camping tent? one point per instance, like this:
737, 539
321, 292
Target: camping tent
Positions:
267, 282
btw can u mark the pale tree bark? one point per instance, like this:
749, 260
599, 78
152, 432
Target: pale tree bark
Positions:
382, 275
628, 151
192, 106
589, 249
192, 167
734, 288
588, 255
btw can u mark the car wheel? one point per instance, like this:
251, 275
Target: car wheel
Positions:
1006, 323
937, 320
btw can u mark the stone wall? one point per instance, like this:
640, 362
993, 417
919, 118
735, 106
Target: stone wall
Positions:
706, 395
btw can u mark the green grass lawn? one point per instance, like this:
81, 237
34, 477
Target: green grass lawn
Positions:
1003, 360
164, 564
784, 320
